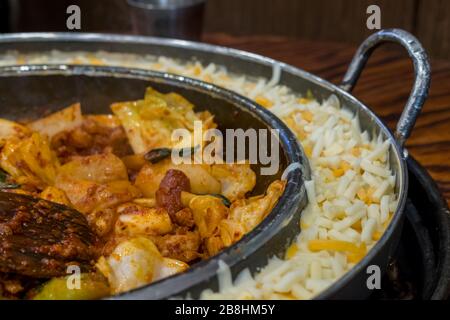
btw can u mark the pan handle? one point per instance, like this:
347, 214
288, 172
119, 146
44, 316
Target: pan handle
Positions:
422, 73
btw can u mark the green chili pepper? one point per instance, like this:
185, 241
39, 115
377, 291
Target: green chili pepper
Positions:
224, 199
92, 286
3, 181
158, 154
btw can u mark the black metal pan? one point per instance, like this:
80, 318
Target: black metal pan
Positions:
352, 284
31, 91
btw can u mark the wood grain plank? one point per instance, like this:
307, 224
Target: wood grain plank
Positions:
433, 26
430, 140
50, 15
336, 20
339, 20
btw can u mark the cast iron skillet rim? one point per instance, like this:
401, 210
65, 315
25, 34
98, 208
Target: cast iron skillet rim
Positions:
259, 59
178, 43
285, 207
433, 192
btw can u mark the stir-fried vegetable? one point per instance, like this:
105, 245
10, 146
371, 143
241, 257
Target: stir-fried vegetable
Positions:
202, 182
31, 159
101, 168
67, 119
250, 212
147, 217
55, 195
10, 129
135, 219
136, 262
91, 286
149, 123
236, 179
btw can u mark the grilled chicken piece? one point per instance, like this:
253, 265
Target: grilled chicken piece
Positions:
41, 239
169, 192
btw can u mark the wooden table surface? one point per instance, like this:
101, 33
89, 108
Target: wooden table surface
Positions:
384, 87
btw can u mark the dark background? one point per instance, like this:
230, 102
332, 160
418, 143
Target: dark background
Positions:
328, 20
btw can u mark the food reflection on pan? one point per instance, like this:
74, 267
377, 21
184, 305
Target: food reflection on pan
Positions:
137, 217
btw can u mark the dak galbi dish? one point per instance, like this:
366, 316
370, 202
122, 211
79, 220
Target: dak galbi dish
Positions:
352, 195
148, 218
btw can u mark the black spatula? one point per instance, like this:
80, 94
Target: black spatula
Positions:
39, 238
